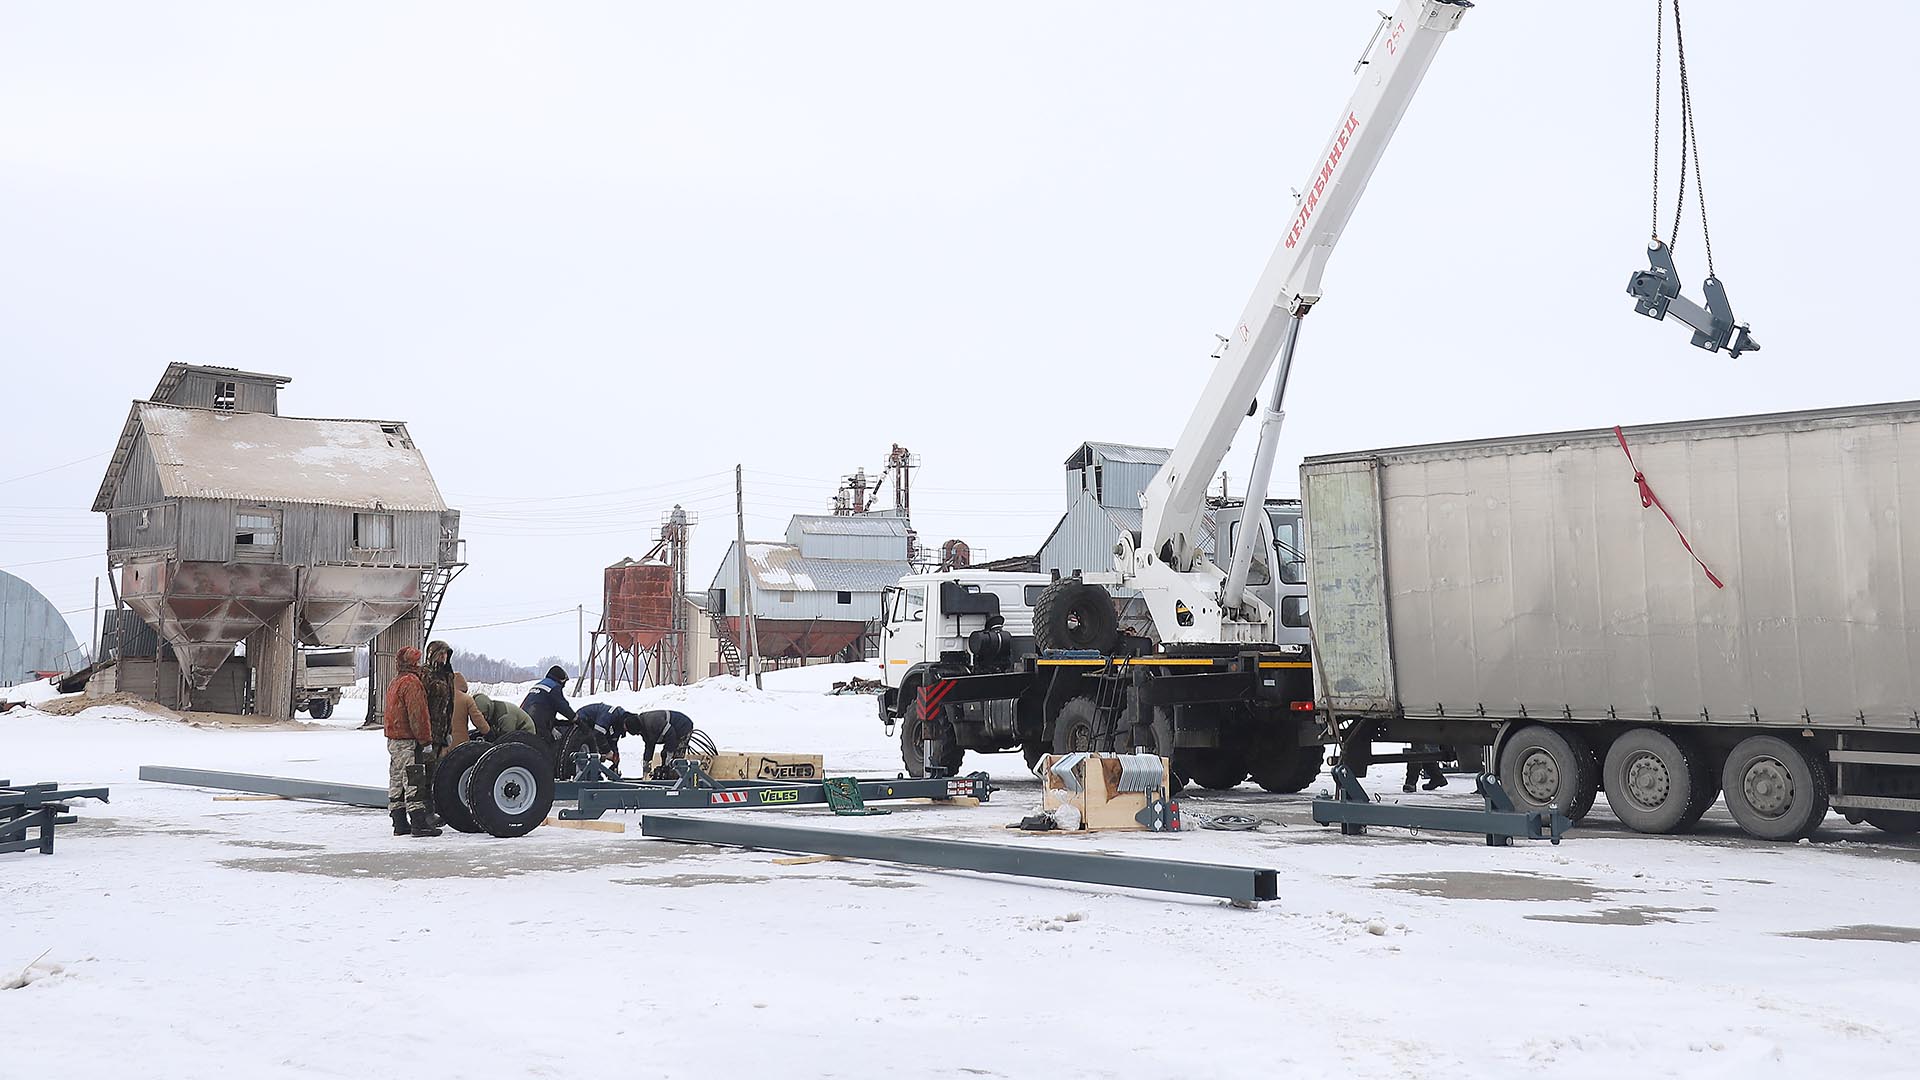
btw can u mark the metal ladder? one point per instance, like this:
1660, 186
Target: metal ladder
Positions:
729, 649
433, 592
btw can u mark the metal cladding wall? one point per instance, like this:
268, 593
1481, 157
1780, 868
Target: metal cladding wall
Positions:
639, 603
1523, 577
34, 636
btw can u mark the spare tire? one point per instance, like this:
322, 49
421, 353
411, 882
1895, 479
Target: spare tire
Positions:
510, 790
581, 739
1072, 614
449, 780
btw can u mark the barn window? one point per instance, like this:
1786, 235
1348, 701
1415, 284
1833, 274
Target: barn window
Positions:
224, 395
256, 534
845, 598
786, 596
373, 532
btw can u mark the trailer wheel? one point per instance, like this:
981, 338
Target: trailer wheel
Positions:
581, 739
1893, 822
1706, 785
510, 790
1072, 614
1281, 763
947, 751
526, 738
1650, 780
1216, 769
1543, 767
1774, 789
449, 785
1073, 726
320, 708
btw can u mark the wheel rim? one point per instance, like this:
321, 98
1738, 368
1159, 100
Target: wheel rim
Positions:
513, 790
1647, 780
1080, 736
1768, 786
1539, 775
460, 788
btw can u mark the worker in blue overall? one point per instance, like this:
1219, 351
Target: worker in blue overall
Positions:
546, 700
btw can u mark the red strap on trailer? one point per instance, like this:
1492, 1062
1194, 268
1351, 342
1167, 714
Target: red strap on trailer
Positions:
1649, 499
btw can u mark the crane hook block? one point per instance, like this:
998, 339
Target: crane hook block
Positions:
1656, 294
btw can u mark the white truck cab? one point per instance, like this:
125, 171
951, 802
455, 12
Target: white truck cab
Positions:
929, 617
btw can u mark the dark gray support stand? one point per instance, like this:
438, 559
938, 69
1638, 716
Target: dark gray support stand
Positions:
1353, 811
1241, 884
25, 808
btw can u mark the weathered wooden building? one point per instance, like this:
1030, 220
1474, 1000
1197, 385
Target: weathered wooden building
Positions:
229, 523
818, 595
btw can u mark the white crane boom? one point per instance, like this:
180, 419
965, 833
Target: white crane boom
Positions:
1182, 587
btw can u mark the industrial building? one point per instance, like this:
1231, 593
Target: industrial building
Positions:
34, 637
817, 595
1104, 484
229, 525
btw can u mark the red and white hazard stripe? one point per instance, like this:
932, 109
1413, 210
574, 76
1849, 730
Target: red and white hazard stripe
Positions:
722, 798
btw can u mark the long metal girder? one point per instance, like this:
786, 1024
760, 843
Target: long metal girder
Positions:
596, 798
1241, 884
320, 790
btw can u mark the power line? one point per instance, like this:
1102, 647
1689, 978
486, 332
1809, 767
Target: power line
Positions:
43, 562
56, 468
510, 622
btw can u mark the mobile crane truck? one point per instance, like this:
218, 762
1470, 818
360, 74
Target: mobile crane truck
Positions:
1223, 684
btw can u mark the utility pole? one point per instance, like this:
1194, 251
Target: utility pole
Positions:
93, 645
748, 634
580, 640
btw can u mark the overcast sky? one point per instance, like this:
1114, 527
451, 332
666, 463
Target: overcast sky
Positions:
596, 254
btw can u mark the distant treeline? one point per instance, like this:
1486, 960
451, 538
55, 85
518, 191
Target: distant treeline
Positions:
479, 667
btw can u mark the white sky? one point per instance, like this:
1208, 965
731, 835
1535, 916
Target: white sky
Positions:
596, 254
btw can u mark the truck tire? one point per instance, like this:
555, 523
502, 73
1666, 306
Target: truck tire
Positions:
1280, 763
320, 708
1650, 780
1033, 752
1072, 614
1214, 769
947, 751
1893, 822
510, 790
1706, 785
1775, 789
449, 783
1542, 767
1073, 726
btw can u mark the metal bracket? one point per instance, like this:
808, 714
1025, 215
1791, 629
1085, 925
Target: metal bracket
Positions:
1656, 295
1499, 822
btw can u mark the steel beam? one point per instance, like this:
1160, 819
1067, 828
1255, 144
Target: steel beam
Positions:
1241, 884
596, 798
318, 790
1498, 821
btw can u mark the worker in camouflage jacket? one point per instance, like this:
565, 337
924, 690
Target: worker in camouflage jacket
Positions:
409, 748
437, 677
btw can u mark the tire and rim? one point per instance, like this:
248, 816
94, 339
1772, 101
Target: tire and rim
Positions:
581, 740
947, 751
1706, 783
320, 708
449, 785
1774, 789
510, 790
1215, 768
1072, 614
1893, 822
1073, 726
1542, 767
1650, 779
1280, 763
525, 738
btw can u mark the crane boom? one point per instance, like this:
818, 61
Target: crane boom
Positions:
1175, 499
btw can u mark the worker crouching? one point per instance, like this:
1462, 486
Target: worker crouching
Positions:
409, 748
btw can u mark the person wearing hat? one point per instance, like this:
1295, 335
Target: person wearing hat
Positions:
547, 700
503, 717
409, 748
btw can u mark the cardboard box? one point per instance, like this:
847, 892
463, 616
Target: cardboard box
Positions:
759, 765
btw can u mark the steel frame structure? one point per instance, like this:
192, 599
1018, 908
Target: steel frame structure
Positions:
1499, 822
695, 790
43, 806
1243, 885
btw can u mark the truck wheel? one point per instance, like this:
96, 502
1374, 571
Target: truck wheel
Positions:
320, 708
1216, 769
449, 785
1280, 763
1774, 789
1893, 822
1073, 726
947, 751
510, 790
1072, 614
1650, 781
1706, 785
1543, 767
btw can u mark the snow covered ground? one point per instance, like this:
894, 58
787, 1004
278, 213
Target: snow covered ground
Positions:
178, 936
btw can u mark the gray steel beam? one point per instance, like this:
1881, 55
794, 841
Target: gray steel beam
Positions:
318, 790
1241, 884
596, 798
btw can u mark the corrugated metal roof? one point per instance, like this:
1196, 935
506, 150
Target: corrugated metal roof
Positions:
216, 454
782, 567
849, 524
1083, 454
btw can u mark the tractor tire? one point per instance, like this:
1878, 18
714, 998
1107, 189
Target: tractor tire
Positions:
1893, 822
581, 739
1544, 767
1073, 615
510, 790
1073, 727
1649, 777
1775, 789
1214, 769
449, 782
948, 754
